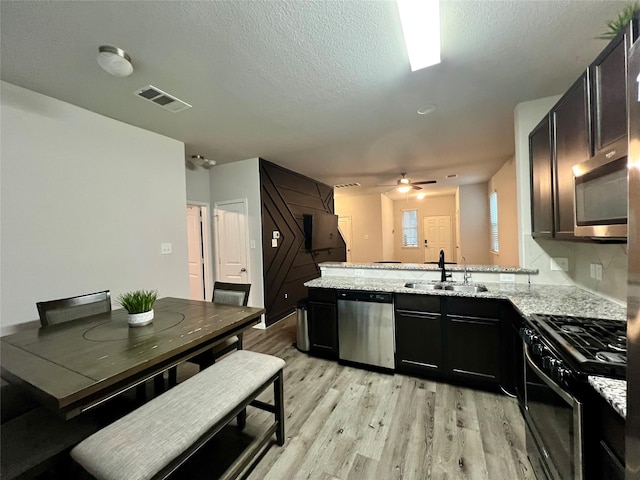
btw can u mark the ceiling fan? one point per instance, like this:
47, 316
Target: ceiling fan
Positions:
405, 184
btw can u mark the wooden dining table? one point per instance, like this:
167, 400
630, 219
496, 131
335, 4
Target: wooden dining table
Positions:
74, 366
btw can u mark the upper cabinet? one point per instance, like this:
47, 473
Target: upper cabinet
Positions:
590, 118
609, 102
541, 179
571, 140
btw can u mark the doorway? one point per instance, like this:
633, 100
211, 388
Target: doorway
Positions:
198, 251
437, 236
344, 225
231, 233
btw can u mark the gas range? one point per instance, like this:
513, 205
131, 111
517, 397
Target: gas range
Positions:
592, 346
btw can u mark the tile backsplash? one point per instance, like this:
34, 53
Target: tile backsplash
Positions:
612, 257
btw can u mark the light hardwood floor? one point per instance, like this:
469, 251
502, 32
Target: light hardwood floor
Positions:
352, 424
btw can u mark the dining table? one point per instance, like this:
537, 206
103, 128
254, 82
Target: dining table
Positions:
74, 366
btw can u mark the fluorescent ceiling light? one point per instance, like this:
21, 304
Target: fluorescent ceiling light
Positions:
421, 28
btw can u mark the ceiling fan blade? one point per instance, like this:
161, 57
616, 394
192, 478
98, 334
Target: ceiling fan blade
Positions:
426, 182
415, 187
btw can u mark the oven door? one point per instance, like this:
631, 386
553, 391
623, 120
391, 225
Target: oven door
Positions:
554, 426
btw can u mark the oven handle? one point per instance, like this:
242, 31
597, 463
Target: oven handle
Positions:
553, 385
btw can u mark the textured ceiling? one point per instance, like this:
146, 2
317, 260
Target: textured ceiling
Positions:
323, 88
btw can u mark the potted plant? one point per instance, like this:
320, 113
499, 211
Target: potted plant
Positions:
618, 24
139, 304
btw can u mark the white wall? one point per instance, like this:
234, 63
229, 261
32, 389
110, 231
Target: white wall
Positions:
388, 234
198, 184
366, 226
504, 183
236, 181
538, 253
474, 224
86, 203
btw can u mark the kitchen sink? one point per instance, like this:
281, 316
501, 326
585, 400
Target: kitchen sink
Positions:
424, 285
466, 288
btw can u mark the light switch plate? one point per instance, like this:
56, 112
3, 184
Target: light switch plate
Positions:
165, 248
274, 242
598, 271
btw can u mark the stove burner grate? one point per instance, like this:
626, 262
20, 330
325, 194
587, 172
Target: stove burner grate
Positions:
611, 357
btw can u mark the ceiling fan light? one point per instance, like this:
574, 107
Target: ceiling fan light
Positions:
404, 181
114, 61
404, 189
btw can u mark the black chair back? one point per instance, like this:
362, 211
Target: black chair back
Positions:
231, 293
73, 308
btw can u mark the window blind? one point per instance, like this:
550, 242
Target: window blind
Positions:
493, 215
410, 228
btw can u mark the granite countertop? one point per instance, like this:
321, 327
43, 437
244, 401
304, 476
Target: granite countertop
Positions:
528, 299
420, 266
613, 390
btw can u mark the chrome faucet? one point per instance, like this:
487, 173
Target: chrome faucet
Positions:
443, 273
467, 276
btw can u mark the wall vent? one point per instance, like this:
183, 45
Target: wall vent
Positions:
347, 185
162, 99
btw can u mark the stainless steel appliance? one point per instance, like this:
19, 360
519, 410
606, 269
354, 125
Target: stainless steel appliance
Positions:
560, 352
600, 187
632, 448
366, 328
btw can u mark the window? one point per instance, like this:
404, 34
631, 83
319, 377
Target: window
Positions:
493, 215
409, 228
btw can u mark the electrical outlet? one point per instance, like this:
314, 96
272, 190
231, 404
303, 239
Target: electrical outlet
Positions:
559, 264
276, 234
358, 273
507, 277
598, 271
274, 242
286, 295
165, 248
592, 270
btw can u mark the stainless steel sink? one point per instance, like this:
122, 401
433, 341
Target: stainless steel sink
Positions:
466, 288
424, 285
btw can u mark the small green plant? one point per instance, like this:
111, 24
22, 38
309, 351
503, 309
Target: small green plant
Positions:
621, 22
138, 301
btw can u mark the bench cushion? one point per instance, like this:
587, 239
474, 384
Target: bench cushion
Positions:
140, 444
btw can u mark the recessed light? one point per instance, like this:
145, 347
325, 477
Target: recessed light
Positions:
420, 196
452, 175
427, 109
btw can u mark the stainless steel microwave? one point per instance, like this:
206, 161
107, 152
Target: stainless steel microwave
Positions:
600, 200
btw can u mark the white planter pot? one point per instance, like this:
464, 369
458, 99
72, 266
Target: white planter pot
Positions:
140, 319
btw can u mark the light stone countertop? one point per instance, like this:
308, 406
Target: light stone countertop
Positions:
528, 299
613, 390
421, 266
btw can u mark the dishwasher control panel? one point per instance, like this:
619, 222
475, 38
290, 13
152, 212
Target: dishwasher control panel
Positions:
360, 296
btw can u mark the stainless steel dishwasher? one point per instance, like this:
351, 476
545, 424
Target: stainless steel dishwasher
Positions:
366, 331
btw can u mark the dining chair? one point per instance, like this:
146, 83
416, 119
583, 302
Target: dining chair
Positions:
73, 308
229, 294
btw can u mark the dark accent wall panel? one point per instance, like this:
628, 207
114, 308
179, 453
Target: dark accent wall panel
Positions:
286, 196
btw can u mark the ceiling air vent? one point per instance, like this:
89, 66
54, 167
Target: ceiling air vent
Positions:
162, 99
346, 185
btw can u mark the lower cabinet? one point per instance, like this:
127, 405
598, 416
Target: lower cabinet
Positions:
322, 322
455, 338
474, 348
604, 439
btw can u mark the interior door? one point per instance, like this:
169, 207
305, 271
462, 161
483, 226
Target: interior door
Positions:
195, 249
437, 236
231, 241
344, 224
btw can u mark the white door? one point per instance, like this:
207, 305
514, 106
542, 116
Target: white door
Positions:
195, 248
437, 236
344, 224
231, 241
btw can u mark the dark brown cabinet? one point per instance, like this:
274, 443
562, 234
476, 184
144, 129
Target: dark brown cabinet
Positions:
541, 179
609, 78
571, 145
604, 439
418, 334
455, 338
323, 322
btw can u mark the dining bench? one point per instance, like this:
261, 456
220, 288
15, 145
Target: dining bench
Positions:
154, 440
